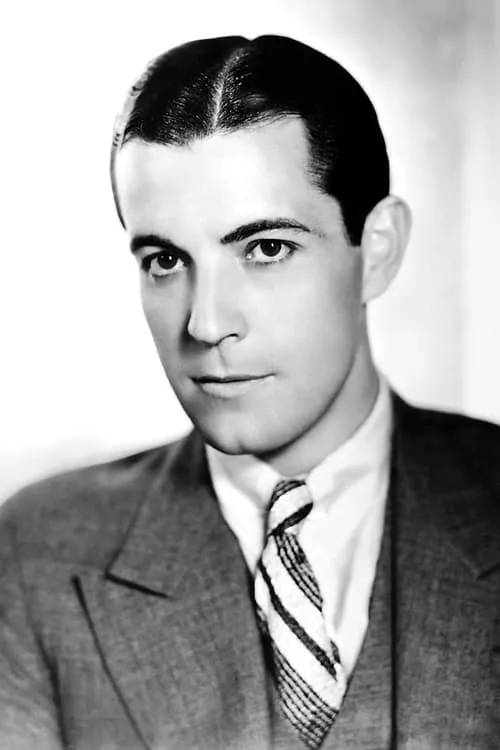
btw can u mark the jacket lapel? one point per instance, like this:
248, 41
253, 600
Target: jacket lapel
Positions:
174, 622
440, 537
445, 550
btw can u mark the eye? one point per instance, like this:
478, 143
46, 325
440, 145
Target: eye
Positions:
163, 263
269, 250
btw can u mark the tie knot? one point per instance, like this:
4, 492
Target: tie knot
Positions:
290, 503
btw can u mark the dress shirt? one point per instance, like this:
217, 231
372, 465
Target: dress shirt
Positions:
342, 534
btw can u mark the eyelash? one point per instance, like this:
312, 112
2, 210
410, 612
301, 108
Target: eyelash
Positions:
147, 261
290, 246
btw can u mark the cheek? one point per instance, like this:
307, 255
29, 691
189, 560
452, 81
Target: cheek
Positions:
320, 319
165, 318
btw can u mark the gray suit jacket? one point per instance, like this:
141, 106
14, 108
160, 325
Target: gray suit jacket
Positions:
126, 618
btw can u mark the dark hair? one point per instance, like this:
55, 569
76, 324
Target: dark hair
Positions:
228, 83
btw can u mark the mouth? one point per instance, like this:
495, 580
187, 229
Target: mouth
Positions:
229, 386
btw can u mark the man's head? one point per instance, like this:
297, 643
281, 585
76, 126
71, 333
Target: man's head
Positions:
253, 179
222, 85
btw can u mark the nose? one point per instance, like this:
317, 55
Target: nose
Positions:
217, 307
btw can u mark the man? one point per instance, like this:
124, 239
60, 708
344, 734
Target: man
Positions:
317, 564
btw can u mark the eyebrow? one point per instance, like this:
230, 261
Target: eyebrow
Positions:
261, 225
239, 234
146, 240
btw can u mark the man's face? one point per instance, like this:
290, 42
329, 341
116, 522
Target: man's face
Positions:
250, 288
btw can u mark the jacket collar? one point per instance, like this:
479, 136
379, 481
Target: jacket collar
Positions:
177, 525
174, 620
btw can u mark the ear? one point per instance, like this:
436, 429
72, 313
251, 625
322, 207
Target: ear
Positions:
383, 244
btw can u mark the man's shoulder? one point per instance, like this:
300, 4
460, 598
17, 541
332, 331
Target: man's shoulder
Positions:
450, 465
83, 513
461, 449
458, 431
447, 476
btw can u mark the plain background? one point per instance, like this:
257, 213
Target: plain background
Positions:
80, 381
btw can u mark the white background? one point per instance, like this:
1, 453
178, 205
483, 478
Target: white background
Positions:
79, 376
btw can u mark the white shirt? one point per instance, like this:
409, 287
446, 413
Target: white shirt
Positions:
342, 534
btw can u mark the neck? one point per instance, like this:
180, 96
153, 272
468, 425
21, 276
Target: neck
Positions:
349, 408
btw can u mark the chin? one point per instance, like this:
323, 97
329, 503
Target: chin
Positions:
226, 442
238, 436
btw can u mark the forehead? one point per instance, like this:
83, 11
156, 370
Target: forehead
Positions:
221, 180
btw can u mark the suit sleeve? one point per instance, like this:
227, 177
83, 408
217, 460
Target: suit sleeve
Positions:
28, 712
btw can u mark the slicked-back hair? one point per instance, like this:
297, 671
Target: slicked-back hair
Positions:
221, 85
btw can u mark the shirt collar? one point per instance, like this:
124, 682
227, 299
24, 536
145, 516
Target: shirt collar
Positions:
369, 447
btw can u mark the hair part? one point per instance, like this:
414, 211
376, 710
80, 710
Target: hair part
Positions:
224, 84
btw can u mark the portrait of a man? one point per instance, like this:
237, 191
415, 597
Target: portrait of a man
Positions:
317, 563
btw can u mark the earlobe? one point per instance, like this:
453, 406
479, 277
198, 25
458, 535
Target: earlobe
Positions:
385, 237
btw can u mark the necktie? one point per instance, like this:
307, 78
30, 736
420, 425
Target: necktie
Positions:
309, 676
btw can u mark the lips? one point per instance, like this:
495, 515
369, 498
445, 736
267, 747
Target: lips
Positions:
229, 386
226, 378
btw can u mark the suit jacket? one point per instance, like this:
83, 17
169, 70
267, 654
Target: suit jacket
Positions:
126, 617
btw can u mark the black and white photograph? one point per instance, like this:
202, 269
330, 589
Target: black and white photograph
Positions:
249, 394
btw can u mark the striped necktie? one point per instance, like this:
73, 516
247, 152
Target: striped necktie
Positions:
306, 664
